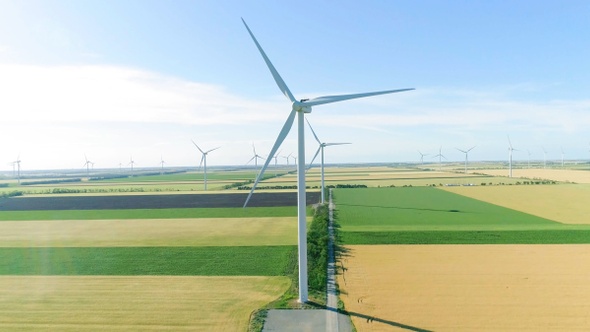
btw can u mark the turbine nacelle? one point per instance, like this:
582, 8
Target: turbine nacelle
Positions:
299, 106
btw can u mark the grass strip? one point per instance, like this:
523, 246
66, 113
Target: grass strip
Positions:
469, 237
252, 212
201, 261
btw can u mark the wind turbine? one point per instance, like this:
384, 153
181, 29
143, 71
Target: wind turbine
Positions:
440, 156
17, 163
321, 148
287, 158
87, 164
422, 155
162, 162
204, 162
255, 158
275, 157
562, 154
544, 157
466, 152
131, 162
299, 108
510, 149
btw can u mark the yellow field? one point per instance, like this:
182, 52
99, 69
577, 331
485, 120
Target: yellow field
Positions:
564, 175
468, 287
133, 303
150, 232
563, 203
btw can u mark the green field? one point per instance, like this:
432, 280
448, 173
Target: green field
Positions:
425, 215
250, 212
129, 261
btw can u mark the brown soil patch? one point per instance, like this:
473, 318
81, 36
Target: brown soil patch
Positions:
468, 287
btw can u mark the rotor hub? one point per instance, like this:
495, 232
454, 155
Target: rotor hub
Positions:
298, 106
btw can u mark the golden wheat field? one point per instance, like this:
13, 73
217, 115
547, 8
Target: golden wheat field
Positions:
567, 203
149, 232
564, 175
467, 287
56, 303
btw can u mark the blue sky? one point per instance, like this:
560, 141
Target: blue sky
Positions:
111, 79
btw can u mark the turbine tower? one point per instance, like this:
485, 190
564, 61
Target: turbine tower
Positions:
162, 162
466, 152
204, 162
510, 149
422, 155
275, 157
87, 164
440, 156
544, 157
17, 163
255, 158
562, 154
299, 108
131, 162
321, 148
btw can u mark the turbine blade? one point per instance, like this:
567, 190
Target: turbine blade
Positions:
314, 156
473, 147
250, 160
201, 163
330, 144
282, 135
313, 132
197, 146
213, 149
333, 99
278, 79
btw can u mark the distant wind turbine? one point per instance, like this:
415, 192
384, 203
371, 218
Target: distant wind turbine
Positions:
131, 162
87, 163
510, 150
17, 163
422, 155
544, 157
275, 157
466, 152
204, 162
287, 158
255, 158
321, 149
562, 155
440, 156
162, 162
299, 108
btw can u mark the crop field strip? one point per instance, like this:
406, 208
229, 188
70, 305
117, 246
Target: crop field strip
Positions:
433, 216
563, 175
467, 287
146, 303
182, 247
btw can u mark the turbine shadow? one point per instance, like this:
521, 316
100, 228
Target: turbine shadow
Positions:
402, 208
370, 319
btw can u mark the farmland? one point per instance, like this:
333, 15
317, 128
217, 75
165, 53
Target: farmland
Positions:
456, 259
174, 262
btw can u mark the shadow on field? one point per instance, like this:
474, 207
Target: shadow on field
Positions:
401, 208
370, 319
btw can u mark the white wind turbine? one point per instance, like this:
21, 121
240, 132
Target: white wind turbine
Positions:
255, 158
131, 162
287, 158
562, 155
299, 108
466, 152
275, 157
17, 163
544, 157
422, 155
510, 150
204, 162
162, 162
440, 156
321, 148
87, 165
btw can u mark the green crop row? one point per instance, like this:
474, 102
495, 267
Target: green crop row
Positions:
252, 212
469, 237
203, 261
